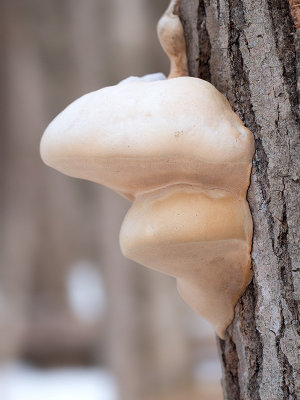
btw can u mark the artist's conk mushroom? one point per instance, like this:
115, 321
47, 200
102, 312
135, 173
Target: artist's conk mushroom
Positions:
177, 150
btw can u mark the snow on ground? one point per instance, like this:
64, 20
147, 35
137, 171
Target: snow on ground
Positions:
23, 382
86, 292
208, 371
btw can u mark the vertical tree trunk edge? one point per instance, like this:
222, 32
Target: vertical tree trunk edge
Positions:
250, 50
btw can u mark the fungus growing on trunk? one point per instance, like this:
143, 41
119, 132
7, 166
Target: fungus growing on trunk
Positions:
177, 150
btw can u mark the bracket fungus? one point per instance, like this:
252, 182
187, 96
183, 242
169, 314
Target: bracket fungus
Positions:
176, 149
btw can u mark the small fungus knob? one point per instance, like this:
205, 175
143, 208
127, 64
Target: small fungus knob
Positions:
171, 37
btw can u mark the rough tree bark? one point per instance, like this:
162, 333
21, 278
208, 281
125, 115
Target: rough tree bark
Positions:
248, 50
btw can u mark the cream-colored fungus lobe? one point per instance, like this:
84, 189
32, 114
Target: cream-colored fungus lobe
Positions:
178, 151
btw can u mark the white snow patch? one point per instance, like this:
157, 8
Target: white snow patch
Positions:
22, 382
158, 76
208, 371
86, 294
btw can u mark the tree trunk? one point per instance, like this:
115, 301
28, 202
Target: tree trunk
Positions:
248, 50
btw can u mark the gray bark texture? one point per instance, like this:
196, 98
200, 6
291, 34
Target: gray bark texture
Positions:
248, 50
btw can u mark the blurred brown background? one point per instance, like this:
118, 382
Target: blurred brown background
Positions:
67, 296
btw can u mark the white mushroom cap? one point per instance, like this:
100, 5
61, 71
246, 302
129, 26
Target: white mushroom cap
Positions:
178, 150
139, 136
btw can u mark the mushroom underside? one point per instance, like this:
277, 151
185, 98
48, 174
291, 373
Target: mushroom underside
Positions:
200, 237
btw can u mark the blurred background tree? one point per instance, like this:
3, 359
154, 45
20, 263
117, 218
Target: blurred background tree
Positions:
67, 296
